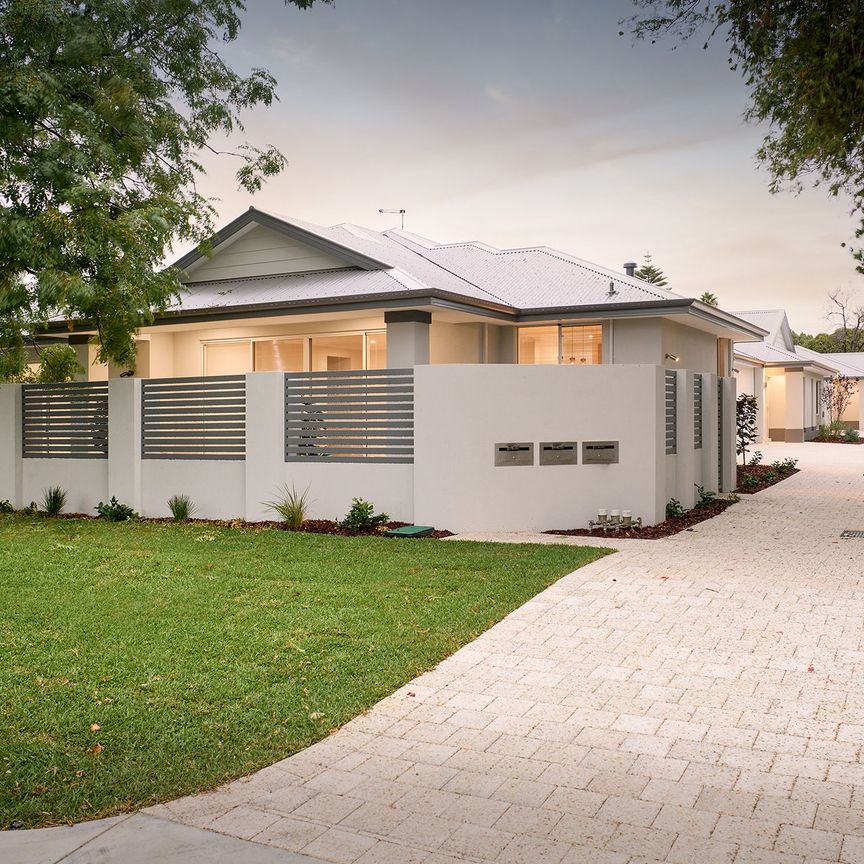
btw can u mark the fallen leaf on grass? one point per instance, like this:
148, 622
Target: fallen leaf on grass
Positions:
95, 727
96, 749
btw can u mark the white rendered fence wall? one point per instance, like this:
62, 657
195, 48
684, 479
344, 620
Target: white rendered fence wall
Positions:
460, 413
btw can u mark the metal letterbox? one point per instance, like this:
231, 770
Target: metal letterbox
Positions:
558, 452
520, 453
599, 452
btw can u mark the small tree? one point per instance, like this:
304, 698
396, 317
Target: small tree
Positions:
649, 273
746, 410
836, 396
709, 298
58, 364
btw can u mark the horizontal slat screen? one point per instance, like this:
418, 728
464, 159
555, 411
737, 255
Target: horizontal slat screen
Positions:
194, 418
65, 421
356, 416
671, 412
697, 412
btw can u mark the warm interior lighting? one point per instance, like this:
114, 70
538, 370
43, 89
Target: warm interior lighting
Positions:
673, 357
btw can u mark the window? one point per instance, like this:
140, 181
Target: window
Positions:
228, 357
582, 346
278, 355
336, 353
576, 345
376, 350
538, 345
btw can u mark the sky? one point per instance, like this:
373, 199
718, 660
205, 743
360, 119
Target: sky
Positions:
533, 123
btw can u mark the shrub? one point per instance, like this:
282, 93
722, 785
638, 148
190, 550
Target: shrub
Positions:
674, 508
853, 435
362, 516
748, 481
58, 364
181, 507
756, 458
53, 500
6, 506
32, 508
785, 466
291, 505
114, 511
706, 496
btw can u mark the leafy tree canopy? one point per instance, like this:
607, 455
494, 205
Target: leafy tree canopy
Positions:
105, 108
848, 337
709, 298
803, 63
649, 273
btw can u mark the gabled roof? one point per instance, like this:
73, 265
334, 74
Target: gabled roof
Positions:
396, 264
775, 322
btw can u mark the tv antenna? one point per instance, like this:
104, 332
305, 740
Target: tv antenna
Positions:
398, 212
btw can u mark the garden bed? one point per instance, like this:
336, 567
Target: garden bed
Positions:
763, 477
672, 525
831, 439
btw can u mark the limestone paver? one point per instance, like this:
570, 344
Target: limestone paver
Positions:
696, 698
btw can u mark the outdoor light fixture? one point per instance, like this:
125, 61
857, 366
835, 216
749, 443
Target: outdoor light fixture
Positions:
674, 357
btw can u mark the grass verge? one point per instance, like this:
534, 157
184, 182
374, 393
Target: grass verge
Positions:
141, 662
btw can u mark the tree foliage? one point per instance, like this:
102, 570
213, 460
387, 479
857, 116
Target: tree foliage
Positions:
709, 299
746, 411
648, 272
847, 337
803, 64
836, 397
105, 108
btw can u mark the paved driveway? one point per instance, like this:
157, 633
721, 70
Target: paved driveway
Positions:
692, 700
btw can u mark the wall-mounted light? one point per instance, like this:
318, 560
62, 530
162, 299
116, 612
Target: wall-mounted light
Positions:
673, 357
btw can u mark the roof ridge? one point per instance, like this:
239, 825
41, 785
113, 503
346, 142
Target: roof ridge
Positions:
452, 273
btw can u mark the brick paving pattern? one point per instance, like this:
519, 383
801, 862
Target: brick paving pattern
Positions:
695, 699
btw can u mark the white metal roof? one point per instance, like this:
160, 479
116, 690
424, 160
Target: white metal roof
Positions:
775, 322
383, 263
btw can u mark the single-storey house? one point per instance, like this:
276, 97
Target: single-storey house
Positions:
280, 294
453, 384
789, 381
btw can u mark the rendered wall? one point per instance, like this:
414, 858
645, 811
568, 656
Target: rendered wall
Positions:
463, 411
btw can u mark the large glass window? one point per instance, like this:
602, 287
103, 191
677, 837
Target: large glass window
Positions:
582, 346
278, 355
538, 345
376, 350
336, 353
227, 358
575, 345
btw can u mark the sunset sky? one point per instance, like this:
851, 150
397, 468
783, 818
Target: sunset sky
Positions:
533, 123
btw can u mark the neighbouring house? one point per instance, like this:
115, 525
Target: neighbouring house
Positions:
789, 381
452, 383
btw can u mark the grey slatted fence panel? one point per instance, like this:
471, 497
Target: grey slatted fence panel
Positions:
194, 418
697, 412
671, 412
353, 416
65, 421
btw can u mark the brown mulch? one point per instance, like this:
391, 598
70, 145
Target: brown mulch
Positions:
310, 526
821, 440
763, 473
672, 525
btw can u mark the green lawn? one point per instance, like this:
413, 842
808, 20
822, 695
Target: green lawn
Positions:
203, 653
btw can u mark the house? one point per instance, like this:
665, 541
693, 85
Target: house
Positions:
453, 384
279, 294
789, 380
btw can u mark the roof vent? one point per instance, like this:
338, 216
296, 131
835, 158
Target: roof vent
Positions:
630, 268
612, 290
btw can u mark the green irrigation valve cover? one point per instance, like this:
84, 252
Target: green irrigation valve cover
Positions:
410, 531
